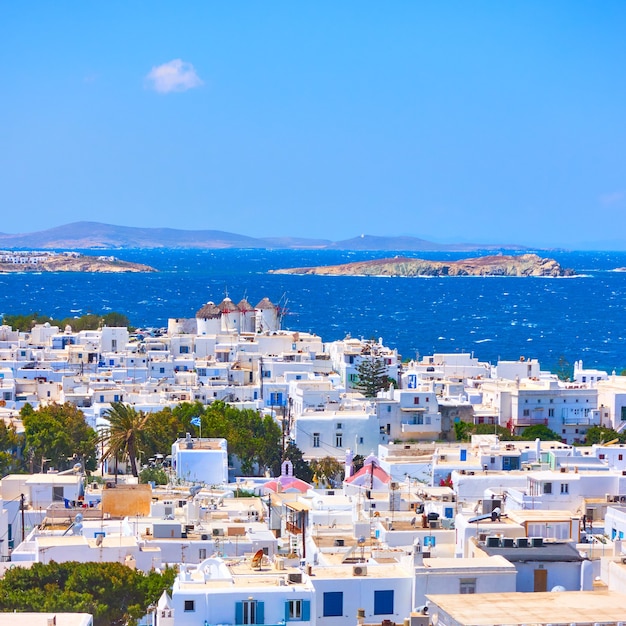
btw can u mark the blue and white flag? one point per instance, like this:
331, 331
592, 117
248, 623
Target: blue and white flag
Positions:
196, 421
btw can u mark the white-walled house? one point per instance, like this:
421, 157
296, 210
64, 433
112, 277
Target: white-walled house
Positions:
245, 592
408, 414
201, 460
321, 433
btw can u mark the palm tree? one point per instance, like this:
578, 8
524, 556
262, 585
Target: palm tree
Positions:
123, 435
327, 470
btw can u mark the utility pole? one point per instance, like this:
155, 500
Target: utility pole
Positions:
22, 512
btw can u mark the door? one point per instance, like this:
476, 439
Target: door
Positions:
541, 580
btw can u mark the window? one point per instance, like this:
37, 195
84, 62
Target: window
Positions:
316, 440
338, 441
333, 604
383, 602
201, 554
161, 370
416, 400
467, 585
267, 374
190, 605
353, 378
297, 610
184, 350
550, 412
526, 412
361, 441
564, 488
620, 457
547, 487
339, 425
249, 612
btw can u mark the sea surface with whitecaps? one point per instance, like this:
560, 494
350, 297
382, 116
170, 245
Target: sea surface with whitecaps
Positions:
550, 319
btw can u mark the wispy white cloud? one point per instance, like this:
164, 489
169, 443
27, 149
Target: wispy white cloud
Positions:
613, 197
175, 75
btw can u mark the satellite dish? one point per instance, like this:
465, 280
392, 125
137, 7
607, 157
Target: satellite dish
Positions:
256, 559
79, 518
77, 529
99, 539
194, 490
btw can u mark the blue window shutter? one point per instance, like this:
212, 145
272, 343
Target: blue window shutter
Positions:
383, 602
238, 612
306, 610
333, 603
287, 611
260, 613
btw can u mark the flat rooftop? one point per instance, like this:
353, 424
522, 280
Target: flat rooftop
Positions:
565, 607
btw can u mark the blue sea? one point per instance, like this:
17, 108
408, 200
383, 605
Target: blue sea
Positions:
545, 318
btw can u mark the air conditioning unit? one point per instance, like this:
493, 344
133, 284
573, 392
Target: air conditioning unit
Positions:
218, 532
612, 498
294, 577
443, 457
359, 570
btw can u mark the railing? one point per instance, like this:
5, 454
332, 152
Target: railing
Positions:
293, 529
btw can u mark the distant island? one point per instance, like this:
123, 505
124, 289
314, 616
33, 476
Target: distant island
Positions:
494, 265
97, 236
38, 261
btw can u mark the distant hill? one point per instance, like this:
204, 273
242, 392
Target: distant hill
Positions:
94, 235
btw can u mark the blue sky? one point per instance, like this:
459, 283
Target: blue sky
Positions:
494, 122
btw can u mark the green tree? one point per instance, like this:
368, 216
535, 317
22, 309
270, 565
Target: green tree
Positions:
114, 319
563, 369
90, 321
371, 377
153, 475
504, 434
116, 595
59, 434
539, 431
301, 469
463, 430
327, 471
357, 462
11, 448
26, 322
601, 434
123, 436
163, 427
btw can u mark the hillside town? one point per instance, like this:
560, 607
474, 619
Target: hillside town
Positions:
427, 529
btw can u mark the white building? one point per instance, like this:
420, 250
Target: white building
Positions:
201, 460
